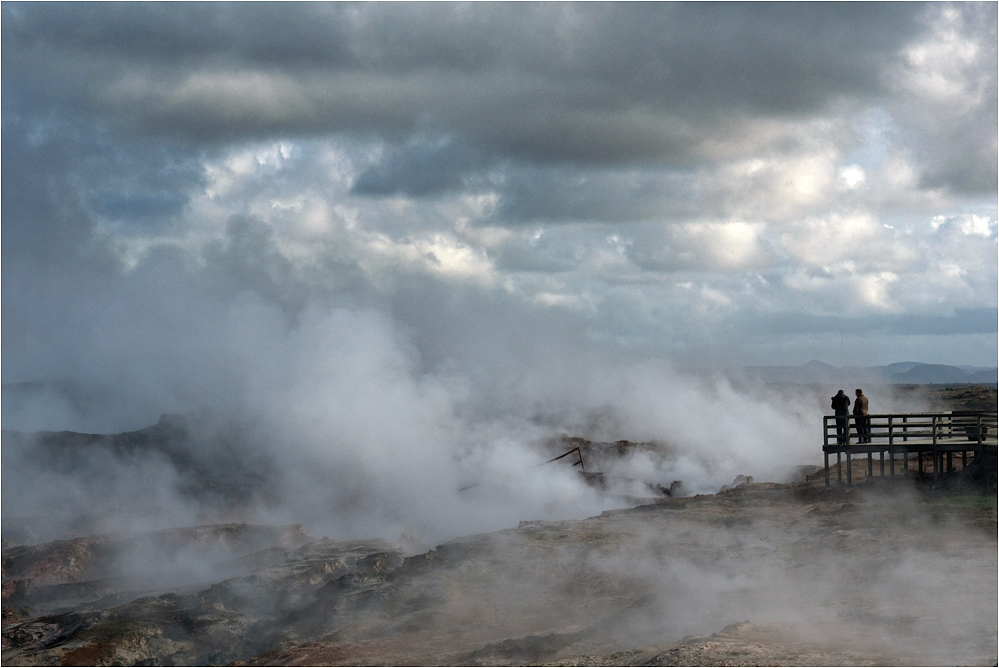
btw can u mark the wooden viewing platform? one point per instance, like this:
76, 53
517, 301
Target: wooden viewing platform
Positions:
941, 435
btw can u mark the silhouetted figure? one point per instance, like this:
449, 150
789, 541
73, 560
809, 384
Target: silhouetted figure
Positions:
841, 406
861, 421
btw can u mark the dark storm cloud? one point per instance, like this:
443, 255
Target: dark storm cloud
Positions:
590, 82
421, 168
61, 175
161, 34
957, 141
531, 195
483, 96
41, 220
117, 118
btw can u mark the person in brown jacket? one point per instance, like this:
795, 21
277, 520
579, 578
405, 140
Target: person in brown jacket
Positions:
861, 422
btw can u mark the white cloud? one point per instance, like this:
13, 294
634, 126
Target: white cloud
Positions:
874, 289
937, 67
724, 246
450, 257
824, 241
969, 224
852, 176
982, 226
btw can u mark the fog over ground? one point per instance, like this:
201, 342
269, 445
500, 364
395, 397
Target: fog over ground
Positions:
408, 242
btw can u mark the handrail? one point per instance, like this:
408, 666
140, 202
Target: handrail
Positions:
941, 434
936, 428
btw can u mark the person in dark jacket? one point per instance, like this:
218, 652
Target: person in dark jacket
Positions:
841, 406
860, 419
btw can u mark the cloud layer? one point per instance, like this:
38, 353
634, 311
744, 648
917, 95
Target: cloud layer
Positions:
464, 223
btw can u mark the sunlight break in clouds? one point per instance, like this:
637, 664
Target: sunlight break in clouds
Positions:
853, 176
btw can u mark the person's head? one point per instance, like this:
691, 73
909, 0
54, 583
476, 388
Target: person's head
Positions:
841, 392
859, 391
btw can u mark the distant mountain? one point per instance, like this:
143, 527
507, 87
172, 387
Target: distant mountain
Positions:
897, 373
932, 374
816, 364
973, 369
984, 376
901, 367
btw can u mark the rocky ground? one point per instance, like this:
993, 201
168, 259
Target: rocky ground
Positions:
760, 574
887, 572
960, 397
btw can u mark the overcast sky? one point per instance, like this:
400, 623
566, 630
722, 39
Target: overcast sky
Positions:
704, 184
409, 243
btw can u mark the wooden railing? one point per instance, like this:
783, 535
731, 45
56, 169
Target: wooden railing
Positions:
953, 428
937, 435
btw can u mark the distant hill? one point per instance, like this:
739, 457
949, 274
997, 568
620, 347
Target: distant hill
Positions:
984, 376
897, 373
901, 367
931, 373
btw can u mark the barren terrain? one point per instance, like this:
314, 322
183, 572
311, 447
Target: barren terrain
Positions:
888, 572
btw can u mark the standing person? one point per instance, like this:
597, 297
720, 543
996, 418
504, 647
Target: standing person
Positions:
860, 419
841, 405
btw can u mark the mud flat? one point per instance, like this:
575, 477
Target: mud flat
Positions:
884, 573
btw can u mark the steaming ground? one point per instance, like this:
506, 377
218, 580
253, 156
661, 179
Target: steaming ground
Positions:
761, 574
362, 443
408, 486
356, 407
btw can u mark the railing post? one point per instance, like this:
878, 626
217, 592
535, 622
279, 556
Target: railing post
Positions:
825, 444
981, 438
936, 455
891, 444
